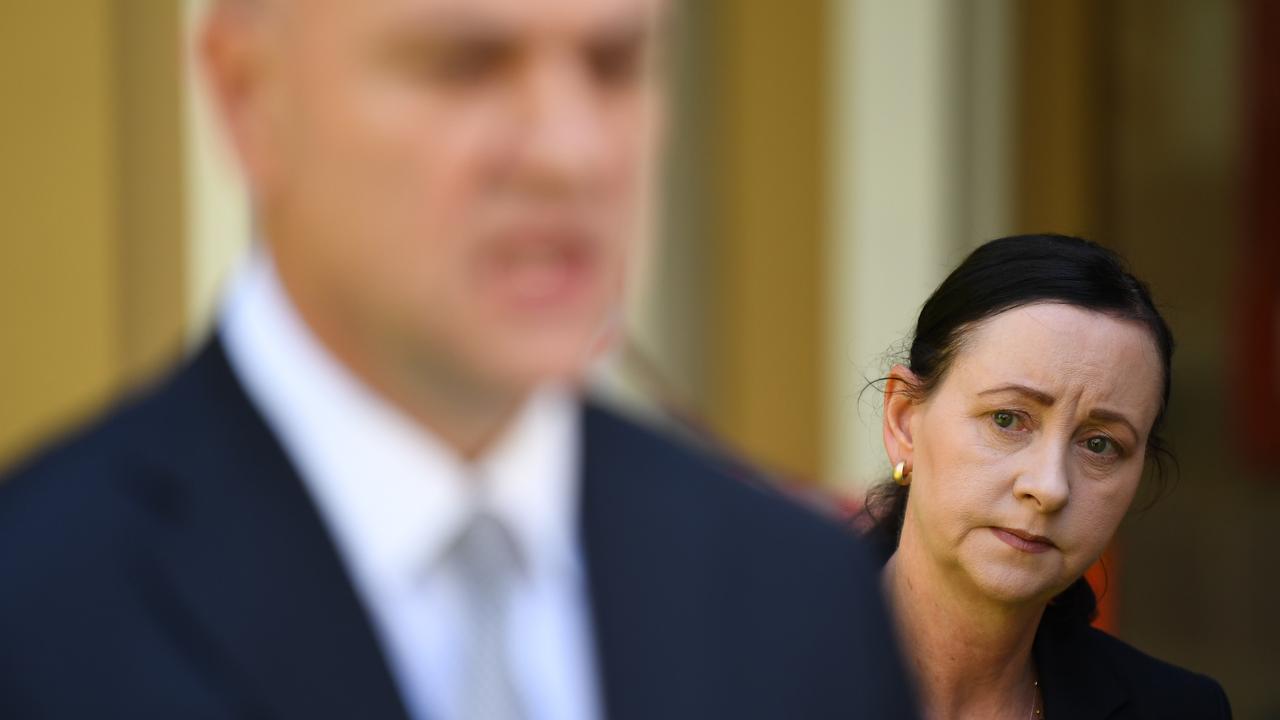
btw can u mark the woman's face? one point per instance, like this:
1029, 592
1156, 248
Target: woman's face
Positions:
1027, 455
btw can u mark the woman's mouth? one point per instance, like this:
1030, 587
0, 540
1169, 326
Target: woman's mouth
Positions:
1023, 540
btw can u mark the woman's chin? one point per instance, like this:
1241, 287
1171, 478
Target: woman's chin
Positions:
1018, 586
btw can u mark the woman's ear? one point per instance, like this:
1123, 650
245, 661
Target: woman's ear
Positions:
900, 403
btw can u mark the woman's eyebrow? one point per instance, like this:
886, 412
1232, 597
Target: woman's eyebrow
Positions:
1115, 416
1039, 396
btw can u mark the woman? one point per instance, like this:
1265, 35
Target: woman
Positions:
1018, 432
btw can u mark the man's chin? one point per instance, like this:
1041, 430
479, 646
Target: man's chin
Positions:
524, 357
534, 373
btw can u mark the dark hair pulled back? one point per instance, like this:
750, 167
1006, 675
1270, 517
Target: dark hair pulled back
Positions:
1002, 275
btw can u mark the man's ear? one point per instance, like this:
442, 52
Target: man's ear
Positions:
901, 401
233, 55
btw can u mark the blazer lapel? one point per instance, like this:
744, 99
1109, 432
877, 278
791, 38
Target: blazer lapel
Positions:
255, 581
1075, 682
650, 591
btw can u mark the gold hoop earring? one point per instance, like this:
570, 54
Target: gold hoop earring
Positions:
900, 474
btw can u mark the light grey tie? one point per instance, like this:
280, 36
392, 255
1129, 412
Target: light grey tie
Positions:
488, 565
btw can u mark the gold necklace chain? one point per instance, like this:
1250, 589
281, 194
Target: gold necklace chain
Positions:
1037, 710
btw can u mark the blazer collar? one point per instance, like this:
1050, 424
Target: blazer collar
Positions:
253, 580
1076, 680
254, 585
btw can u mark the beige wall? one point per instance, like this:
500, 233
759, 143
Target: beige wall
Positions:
767, 314
87, 261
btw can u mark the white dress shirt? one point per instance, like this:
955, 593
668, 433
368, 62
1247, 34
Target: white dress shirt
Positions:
394, 496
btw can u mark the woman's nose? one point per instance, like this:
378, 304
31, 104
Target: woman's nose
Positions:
1045, 481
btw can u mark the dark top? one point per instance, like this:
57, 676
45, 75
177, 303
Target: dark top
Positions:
1086, 674
169, 563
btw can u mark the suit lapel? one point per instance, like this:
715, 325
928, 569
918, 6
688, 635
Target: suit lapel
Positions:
254, 577
652, 599
1075, 682
253, 585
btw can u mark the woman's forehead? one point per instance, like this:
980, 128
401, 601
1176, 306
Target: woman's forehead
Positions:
1065, 350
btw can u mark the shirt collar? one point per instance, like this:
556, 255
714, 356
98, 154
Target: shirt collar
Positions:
530, 478
393, 494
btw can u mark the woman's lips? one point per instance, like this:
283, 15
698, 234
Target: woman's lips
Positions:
1024, 541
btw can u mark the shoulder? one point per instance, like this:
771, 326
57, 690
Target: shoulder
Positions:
702, 509
145, 428
81, 506
87, 459
73, 547
1160, 684
692, 478
1155, 688
71, 493
73, 482
773, 583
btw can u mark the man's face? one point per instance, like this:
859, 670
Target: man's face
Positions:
452, 185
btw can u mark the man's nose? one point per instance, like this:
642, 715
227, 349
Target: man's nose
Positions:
563, 140
1045, 480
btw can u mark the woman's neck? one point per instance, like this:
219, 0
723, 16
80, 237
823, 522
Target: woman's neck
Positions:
971, 656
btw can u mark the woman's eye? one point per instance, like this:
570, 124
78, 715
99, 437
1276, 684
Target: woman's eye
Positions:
1004, 419
1099, 445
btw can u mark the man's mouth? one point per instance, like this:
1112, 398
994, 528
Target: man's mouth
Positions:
539, 269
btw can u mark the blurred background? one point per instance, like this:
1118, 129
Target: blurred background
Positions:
830, 162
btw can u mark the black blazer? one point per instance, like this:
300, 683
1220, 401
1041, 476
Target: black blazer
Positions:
1086, 674
169, 563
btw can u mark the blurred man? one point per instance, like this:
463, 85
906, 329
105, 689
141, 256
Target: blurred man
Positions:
375, 492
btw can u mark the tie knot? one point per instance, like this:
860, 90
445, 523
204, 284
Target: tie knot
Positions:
486, 554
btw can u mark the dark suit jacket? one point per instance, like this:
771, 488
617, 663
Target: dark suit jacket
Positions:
1086, 674
169, 563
